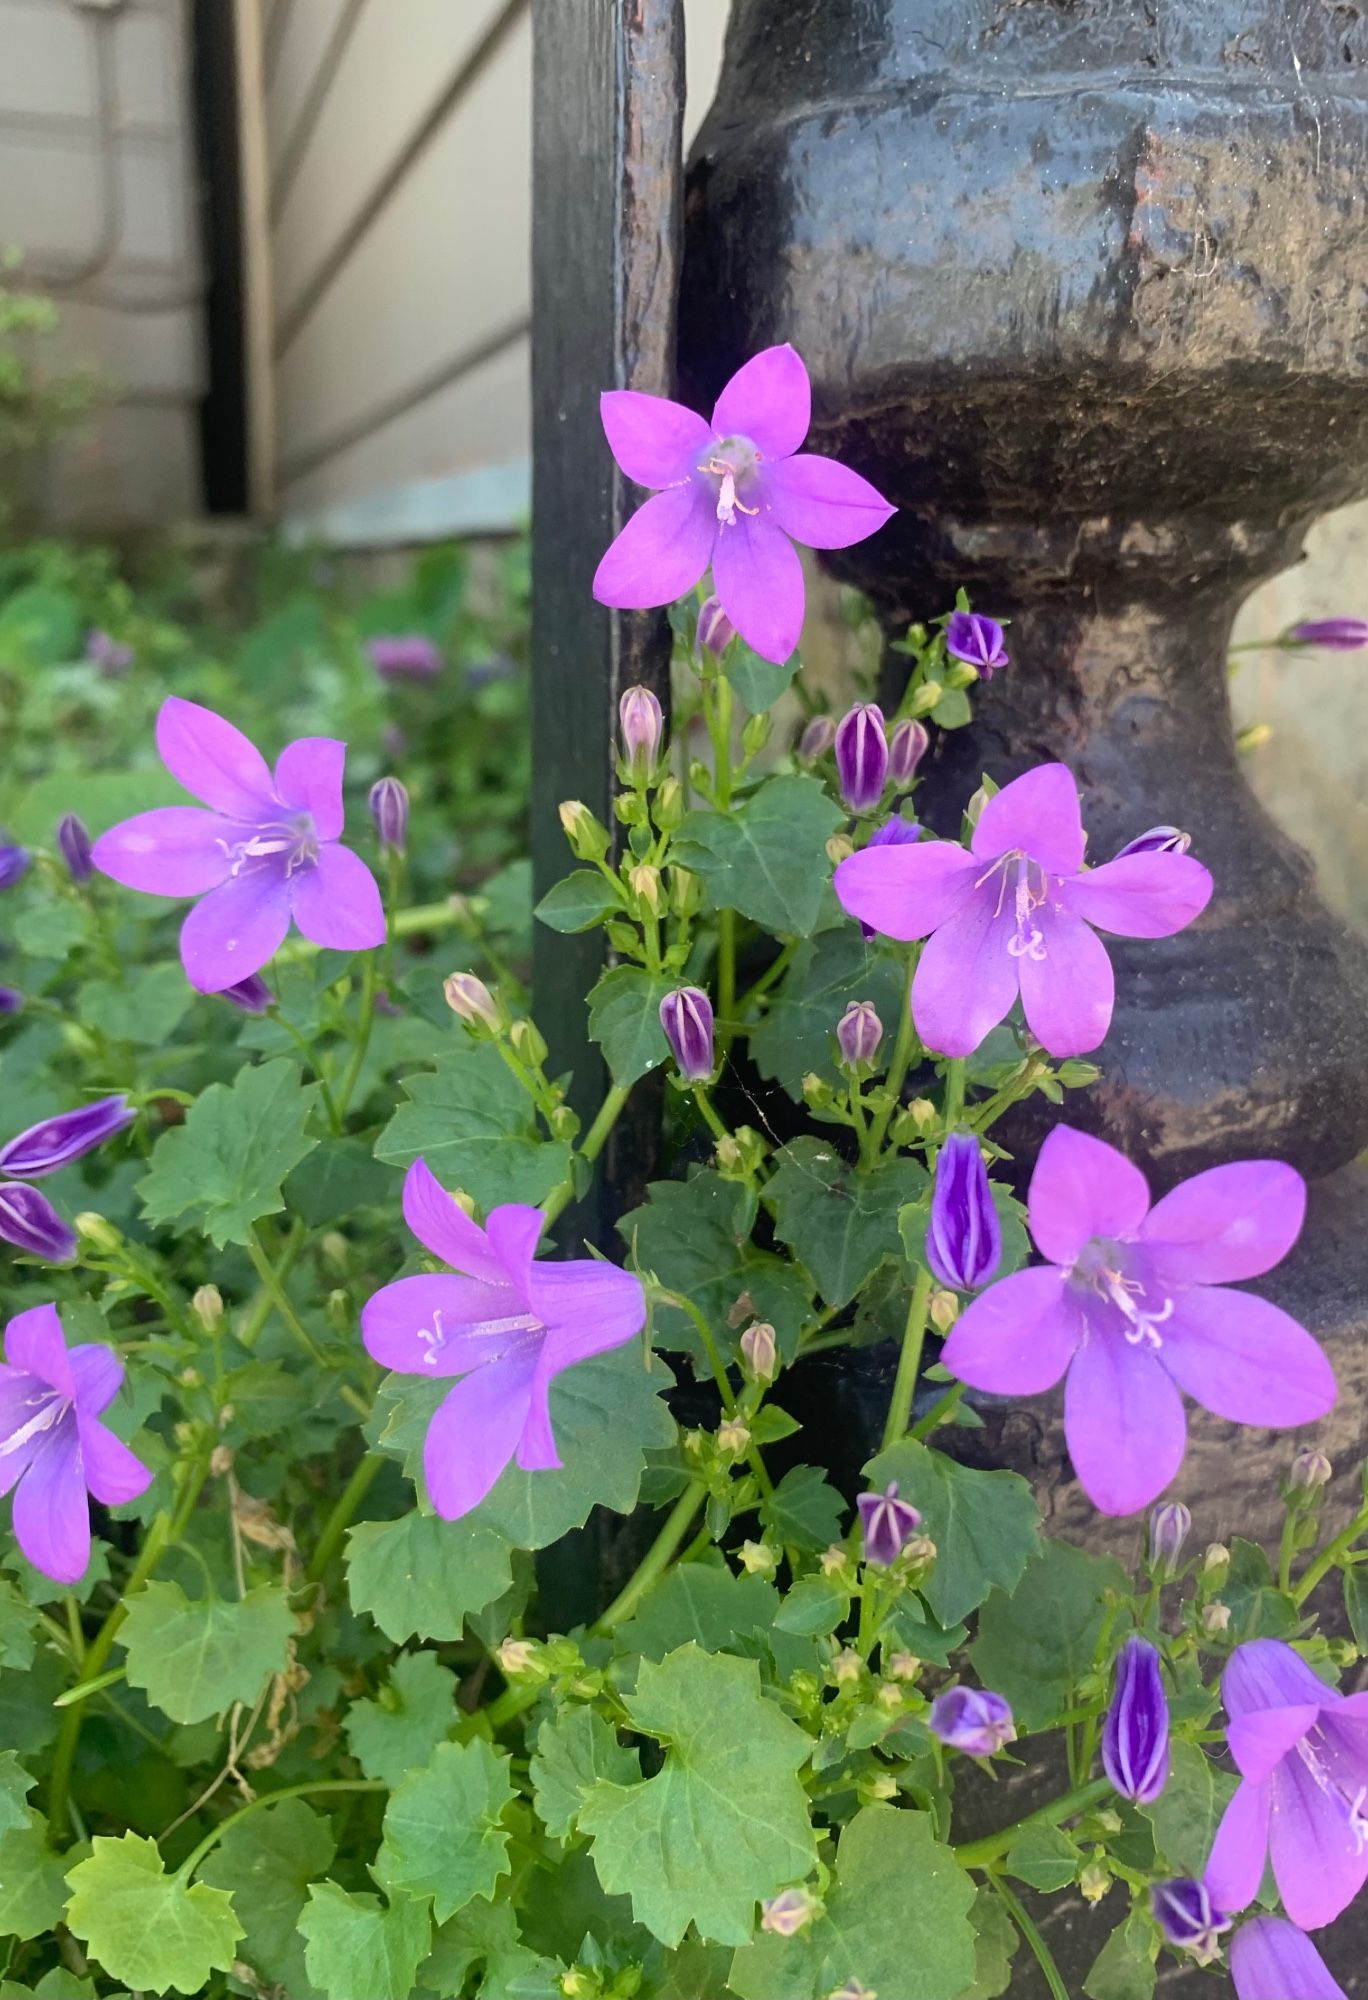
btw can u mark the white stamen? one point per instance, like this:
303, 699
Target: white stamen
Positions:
1140, 1328
435, 1337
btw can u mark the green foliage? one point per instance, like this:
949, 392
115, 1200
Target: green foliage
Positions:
33, 1889
194, 1659
1188, 1810
356, 1944
578, 902
575, 1750
694, 1236
266, 1863
421, 1576
398, 1732
1124, 1968
224, 1166
624, 1019
475, 1126
766, 859
797, 1038
443, 1839
984, 1524
146, 1927
841, 1222
1037, 1642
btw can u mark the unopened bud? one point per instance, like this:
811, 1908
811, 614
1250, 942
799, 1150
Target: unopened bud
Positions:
859, 1033
472, 1000
517, 1657
787, 1914
642, 724
902, 1666
862, 756
96, 1232
1216, 1564
944, 1310
588, 840
760, 1351
817, 739
846, 1667
875, 1787
528, 1042
758, 1559
686, 1016
669, 806
973, 812
835, 1563
728, 1154
339, 1311
207, 1306
1215, 1617
926, 697
389, 805
335, 1249
1094, 1881
734, 1437
839, 848
923, 1113
644, 882
1169, 1528
1310, 1471
891, 1696
686, 891
756, 733
74, 842
908, 743
714, 631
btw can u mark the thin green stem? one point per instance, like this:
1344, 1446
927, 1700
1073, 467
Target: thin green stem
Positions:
314, 1061
983, 1853
657, 1558
448, 915
260, 1310
266, 1271
1026, 1925
940, 1412
953, 1103
901, 1061
308, 1790
710, 1118
710, 1348
909, 1361
365, 1022
343, 1512
1330, 1555
772, 973
1287, 1548
590, 1146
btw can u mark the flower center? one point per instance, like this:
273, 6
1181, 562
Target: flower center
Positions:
294, 840
1029, 891
1101, 1268
733, 463
48, 1409
436, 1336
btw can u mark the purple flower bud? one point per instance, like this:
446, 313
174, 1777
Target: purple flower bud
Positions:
471, 1000
859, 1033
1185, 1913
107, 652
1159, 840
1271, 1959
252, 995
817, 738
74, 842
14, 862
1169, 1528
976, 640
42, 1149
30, 1222
11, 1000
1339, 635
715, 630
389, 806
908, 743
888, 1524
973, 1720
760, 1351
642, 723
686, 1015
862, 756
1135, 1740
1310, 1471
964, 1236
404, 656
788, 1913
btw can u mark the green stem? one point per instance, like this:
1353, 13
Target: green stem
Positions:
590, 1146
340, 1519
773, 972
940, 1411
1330, 1555
365, 1022
265, 1270
1287, 1548
657, 1558
311, 1789
260, 1310
983, 1853
1026, 1925
900, 1063
710, 1117
953, 1103
909, 1361
314, 1061
409, 923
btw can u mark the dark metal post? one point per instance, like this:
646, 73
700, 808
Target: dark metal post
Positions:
608, 89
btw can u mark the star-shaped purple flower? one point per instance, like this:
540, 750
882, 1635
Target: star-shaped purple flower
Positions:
266, 851
1134, 1306
1301, 1749
1015, 915
976, 640
53, 1448
507, 1328
731, 492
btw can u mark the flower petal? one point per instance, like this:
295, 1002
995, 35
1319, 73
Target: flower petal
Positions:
1123, 1420
1228, 1223
1038, 813
235, 929
1141, 895
1235, 1866
1271, 1959
1320, 1859
1018, 1337
1261, 1739
34, 1342
906, 891
1245, 1359
475, 1433
51, 1511
966, 979
98, 1374
308, 778
759, 582
822, 503
214, 761
336, 903
586, 1307
29, 1221
514, 1231
1067, 995
111, 1471
437, 1326
661, 553
656, 442
174, 851
1265, 1673
1082, 1188
537, 1446
442, 1225
768, 400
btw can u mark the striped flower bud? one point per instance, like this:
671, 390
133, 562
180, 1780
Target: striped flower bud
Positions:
1185, 1913
56, 1142
1169, 1528
74, 844
641, 723
817, 738
1135, 1739
862, 756
470, 999
888, 1524
30, 1222
908, 742
715, 630
973, 1720
859, 1033
389, 805
964, 1236
686, 1015
1158, 840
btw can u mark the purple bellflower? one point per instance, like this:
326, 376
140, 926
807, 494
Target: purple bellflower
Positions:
888, 1524
1186, 1914
1301, 1749
1135, 1306
686, 1015
14, 863
1014, 914
976, 640
266, 851
74, 843
862, 756
734, 492
1135, 1739
53, 1448
964, 1236
506, 1327
908, 742
251, 995
1271, 1959
28, 1219
404, 656
973, 1720
1338, 635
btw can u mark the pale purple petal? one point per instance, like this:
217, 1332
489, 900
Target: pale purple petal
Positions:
1261, 1739
1067, 995
29, 1221
235, 929
1245, 1359
439, 1326
822, 503
1082, 1188
1320, 1859
537, 1446
442, 1225
475, 1432
759, 581
214, 761
907, 891
966, 979
51, 1511
336, 903
174, 851
1141, 895
1228, 1223
1018, 1337
34, 1342
1235, 1867
308, 778
1265, 1673
112, 1472
1272, 1960
97, 1373
66, 1136
1038, 813
514, 1230
768, 400
655, 441
1124, 1424
587, 1307
661, 553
